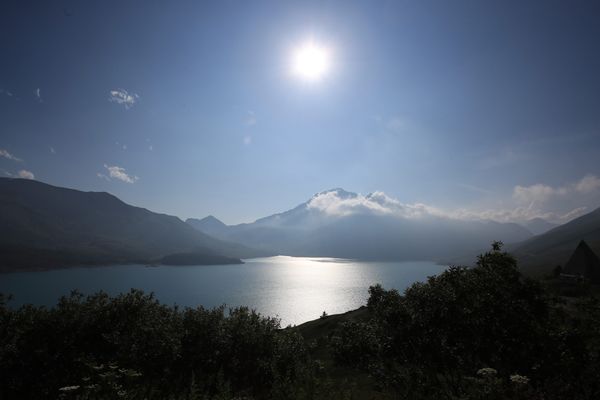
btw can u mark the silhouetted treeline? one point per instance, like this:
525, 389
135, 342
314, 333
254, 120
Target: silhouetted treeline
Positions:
478, 333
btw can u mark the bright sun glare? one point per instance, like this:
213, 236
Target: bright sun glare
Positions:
310, 61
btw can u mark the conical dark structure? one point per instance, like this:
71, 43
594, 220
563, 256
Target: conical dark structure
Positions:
583, 263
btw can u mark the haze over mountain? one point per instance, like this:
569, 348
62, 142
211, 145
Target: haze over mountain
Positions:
537, 226
46, 226
556, 246
337, 223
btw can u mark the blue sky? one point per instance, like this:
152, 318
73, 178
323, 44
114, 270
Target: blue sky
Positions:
480, 106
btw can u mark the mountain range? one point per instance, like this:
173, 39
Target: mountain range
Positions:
44, 226
337, 223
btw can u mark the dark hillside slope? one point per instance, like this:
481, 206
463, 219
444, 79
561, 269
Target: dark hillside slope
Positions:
541, 253
74, 227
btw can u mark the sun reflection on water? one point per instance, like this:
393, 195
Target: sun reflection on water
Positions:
299, 289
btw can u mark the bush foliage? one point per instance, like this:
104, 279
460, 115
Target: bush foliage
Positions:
98, 346
482, 332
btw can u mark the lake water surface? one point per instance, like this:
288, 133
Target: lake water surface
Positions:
295, 289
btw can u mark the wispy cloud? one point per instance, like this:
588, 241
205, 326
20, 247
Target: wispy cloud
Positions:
38, 95
6, 92
149, 144
517, 214
119, 173
25, 174
247, 140
52, 150
250, 119
123, 97
6, 154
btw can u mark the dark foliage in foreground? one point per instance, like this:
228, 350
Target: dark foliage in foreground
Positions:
478, 333
131, 346
483, 332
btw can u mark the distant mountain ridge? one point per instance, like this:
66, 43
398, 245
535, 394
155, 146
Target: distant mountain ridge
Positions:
45, 226
318, 227
209, 223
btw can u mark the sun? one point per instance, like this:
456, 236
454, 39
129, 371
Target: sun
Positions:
310, 61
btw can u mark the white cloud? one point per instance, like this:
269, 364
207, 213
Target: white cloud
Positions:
6, 154
250, 119
588, 184
123, 97
52, 150
6, 92
527, 202
38, 95
117, 173
552, 203
378, 203
332, 203
540, 193
26, 174
247, 140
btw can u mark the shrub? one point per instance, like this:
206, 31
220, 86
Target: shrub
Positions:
97, 341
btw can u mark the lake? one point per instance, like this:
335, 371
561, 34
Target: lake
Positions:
295, 289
